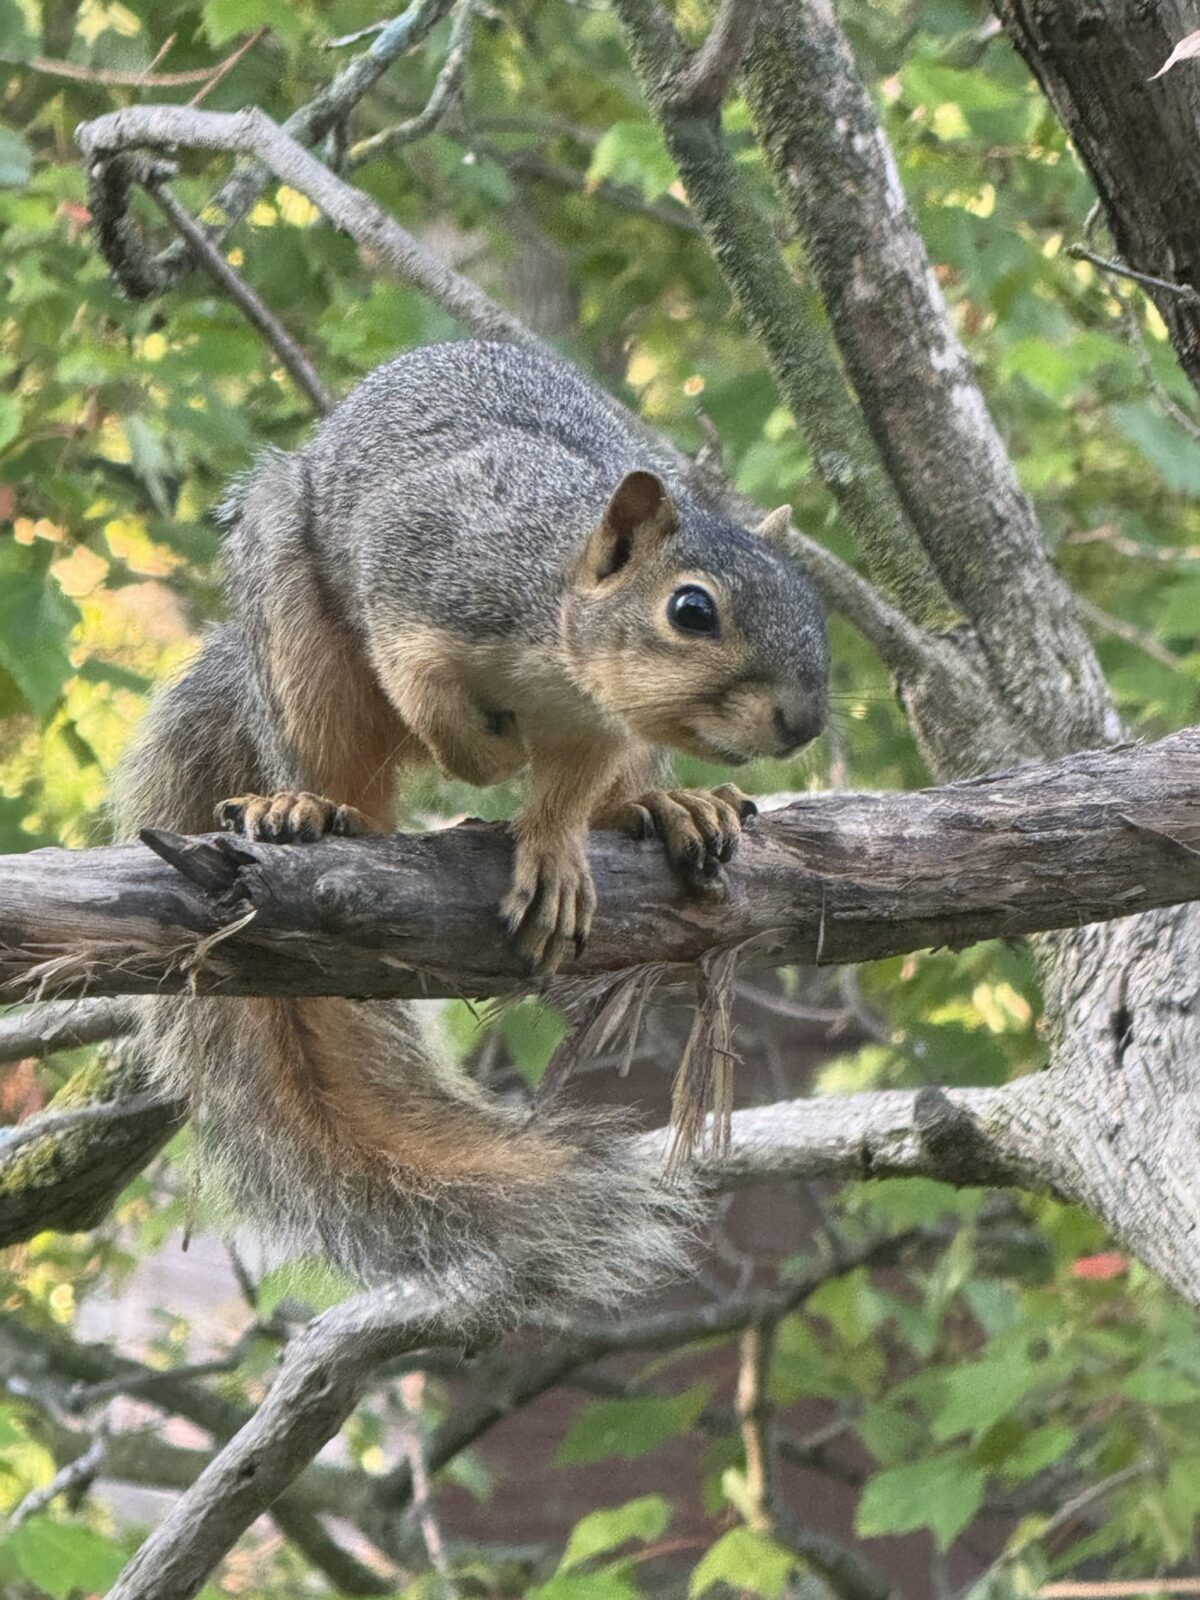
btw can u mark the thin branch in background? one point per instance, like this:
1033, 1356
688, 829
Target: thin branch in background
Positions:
704, 80
1181, 418
1182, 291
412, 1392
754, 1418
115, 78
1119, 1589
1065, 1514
301, 370
445, 93
74, 1480
227, 67
1108, 533
530, 164
1146, 642
61, 1025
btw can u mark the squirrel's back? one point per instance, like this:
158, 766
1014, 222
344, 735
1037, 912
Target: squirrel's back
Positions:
339, 1124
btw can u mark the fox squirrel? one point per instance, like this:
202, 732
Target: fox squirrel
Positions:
477, 562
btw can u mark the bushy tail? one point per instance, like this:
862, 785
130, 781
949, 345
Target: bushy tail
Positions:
341, 1126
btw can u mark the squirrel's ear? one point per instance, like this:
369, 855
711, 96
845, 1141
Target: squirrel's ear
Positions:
640, 515
775, 524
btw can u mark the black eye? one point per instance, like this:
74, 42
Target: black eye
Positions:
692, 609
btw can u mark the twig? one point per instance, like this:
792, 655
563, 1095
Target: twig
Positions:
73, 1480
412, 1391
1146, 642
1119, 1589
754, 1413
1181, 418
227, 67
702, 83
1183, 291
116, 78
251, 132
303, 374
1066, 1513
61, 1025
445, 92
1108, 533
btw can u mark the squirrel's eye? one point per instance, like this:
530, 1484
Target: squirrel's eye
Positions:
692, 609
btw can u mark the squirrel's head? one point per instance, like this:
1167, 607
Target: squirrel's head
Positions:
699, 633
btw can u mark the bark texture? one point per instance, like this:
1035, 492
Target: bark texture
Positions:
830, 878
1094, 59
914, 379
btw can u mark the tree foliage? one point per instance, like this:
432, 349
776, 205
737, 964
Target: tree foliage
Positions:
1013, 1363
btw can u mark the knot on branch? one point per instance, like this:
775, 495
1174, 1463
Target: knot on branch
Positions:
120, 237
957, 1149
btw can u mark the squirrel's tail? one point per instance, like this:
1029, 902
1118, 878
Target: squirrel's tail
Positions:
340, 1125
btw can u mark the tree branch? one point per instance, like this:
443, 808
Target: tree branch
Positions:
303, 374
1137, 138
251, 132
704, 80
837, 180
308, 125
832, 878
781, 314
61, 1025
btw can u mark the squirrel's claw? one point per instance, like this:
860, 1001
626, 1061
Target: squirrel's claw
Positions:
549, 908
700, 828
288, 817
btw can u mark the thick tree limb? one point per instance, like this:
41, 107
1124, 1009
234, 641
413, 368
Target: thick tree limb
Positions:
782, 315
837, 179
831, 878
1137, 137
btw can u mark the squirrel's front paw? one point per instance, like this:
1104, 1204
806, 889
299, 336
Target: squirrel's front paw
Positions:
288, 818
700, 828
549, 907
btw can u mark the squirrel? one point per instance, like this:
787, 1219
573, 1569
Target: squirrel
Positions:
476, 562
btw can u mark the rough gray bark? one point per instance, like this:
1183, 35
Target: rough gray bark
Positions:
913, 378
1094, 60
830, 878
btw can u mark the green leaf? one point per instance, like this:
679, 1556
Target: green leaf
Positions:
19, 43
748, 1562
309, 1279
941, 1494
61, 1557
977, 1393
633, 154
225, 19
931, 84
16, 160
644, 1518
613, 1584
1161, 1386
532, 1033
1164, 445
10, 417
35, 621
629, 1428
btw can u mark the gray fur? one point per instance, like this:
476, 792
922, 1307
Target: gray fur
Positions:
456, 486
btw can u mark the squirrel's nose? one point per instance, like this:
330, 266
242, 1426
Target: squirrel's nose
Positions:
796, 725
